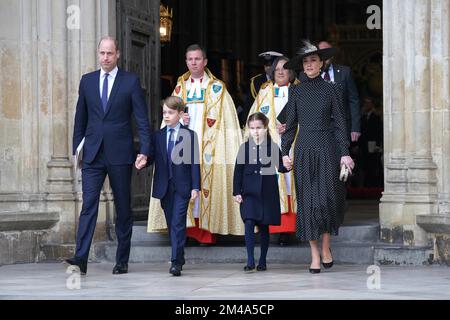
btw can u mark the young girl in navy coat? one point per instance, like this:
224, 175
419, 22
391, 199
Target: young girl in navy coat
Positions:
255, 186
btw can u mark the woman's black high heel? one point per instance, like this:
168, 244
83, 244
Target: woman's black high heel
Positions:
328, 265
314, 271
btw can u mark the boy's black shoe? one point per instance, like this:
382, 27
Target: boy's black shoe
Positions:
175, 270
120, 268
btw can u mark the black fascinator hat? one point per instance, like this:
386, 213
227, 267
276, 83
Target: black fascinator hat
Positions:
306, 50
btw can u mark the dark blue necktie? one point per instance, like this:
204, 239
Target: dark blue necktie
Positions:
105, 92
170, 146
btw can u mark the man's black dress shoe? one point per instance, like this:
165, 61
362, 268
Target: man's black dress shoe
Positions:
120, 268
249, 268
175, 270
81, 264
261, 268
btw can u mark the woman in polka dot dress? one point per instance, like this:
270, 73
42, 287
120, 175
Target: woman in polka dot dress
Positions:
315, 109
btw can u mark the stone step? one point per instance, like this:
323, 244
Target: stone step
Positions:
21, 234
143, 252
351, 253
357, 243
347, 233
25, 220
403, 255
358, 233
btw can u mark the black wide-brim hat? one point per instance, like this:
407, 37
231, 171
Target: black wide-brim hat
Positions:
308, 49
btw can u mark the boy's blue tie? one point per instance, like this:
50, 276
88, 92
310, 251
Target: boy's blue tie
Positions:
105, 92
170, 146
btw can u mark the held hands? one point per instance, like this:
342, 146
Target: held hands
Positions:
194, 194
355, 136
287, 163
348, 161
141, 161
238, 198
186, 118
281, 128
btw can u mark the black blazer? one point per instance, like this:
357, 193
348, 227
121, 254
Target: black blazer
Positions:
186, 171
255, 179
343, 76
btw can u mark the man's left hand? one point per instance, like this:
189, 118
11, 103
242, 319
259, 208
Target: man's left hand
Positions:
141, 161
194, 194
355, 136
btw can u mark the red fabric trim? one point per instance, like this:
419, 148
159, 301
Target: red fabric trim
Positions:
201, 235
288, 221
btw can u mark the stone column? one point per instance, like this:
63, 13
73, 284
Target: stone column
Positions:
414, 132
422, 182
73, 54
392, 202
60, 196
59, 167
437, 224
30, 115
440, 97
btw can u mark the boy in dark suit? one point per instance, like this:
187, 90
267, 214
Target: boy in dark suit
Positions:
176, 179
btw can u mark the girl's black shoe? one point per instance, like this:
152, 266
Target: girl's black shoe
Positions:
249, 268
261, 268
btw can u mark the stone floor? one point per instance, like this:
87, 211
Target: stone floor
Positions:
222, 282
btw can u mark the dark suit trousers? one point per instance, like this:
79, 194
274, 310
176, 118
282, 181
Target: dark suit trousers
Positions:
175, 209
93, 177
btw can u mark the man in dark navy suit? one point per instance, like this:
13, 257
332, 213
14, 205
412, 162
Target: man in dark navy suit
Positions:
177, 175
107, 98
343, 75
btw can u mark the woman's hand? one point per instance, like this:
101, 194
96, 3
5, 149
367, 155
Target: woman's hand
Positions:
287, 162
348, 161
281, 128
238, 198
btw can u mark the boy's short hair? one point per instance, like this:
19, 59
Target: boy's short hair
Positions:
174, 103
195, 47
